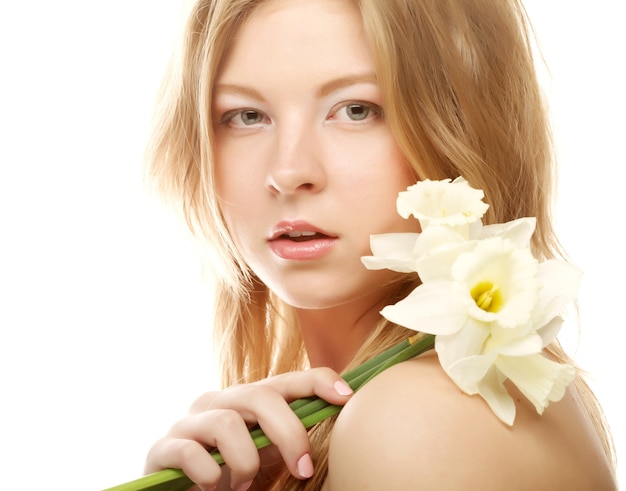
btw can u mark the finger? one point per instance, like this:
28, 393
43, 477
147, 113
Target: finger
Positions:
323, 382
263, 404
203, 402
225, 430
188, 455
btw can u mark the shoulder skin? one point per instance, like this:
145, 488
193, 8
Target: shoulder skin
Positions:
412, 428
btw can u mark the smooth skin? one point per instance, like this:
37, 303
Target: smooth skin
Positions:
301, 138
412, 428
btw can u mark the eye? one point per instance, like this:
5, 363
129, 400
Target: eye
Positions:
357, 111
244, 118
250, 116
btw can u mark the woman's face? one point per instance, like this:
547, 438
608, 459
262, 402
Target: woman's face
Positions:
306, 167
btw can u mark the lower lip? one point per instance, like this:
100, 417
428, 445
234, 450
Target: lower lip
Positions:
302, 251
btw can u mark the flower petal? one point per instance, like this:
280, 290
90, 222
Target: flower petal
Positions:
464, 343
539, 379
479, 375
434, 258
549, 332
518, 231
392, 251
492, 390
429, 308
468, 372
511, 344
435, 237
560, 282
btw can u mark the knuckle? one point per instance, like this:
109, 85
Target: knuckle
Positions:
202, 402
266, 394
188, 450
260, 394
228, 420
325, 373
196, 463
245, 467
177, 429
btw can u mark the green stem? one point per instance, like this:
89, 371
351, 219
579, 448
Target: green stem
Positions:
164, 480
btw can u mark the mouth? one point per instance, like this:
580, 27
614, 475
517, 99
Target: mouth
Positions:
302, 236
298, 231
300, 241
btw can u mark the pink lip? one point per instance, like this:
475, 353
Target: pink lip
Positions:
307, 249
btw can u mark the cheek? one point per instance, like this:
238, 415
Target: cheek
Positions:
375, 155
376, 174
227, 175
235, 205
237, 178
238, 162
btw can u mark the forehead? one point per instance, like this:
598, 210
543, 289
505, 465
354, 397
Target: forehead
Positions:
288, 37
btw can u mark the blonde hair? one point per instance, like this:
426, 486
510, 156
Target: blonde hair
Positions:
461, 97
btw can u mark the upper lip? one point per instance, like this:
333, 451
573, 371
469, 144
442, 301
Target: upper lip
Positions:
298, 226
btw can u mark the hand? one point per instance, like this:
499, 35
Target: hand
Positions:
222, 420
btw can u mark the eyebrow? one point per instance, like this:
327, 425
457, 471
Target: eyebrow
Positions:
324, 90
239, 90
341, 82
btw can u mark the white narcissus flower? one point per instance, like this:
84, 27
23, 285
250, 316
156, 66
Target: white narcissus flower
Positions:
499, 282
541, 380
482, 368
490, 304
494, 282
492, 316
442, 203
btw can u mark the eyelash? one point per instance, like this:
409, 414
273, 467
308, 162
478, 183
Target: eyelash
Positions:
370, 109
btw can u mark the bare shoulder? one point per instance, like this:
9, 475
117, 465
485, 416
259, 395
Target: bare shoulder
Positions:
412, 428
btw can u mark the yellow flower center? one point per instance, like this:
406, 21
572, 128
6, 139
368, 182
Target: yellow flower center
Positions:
487, 296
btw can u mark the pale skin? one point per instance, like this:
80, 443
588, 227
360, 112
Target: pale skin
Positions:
301, 141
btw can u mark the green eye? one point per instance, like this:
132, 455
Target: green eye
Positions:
357, 112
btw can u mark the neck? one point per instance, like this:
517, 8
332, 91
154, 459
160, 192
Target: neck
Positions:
333, 336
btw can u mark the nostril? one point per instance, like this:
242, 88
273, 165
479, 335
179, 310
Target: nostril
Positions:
276, 189
293, 176
273, 189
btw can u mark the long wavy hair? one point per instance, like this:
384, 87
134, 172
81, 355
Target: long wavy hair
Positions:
461, 97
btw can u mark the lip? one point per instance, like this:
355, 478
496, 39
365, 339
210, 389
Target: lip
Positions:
315, 248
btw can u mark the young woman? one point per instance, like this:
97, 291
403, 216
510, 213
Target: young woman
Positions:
286, 131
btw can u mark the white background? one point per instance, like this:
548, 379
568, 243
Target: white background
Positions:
104, 316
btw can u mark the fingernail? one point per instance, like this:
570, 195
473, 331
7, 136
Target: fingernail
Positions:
244, 486
342, 388
305, 466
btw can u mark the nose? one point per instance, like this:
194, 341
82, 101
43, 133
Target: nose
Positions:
296, 165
